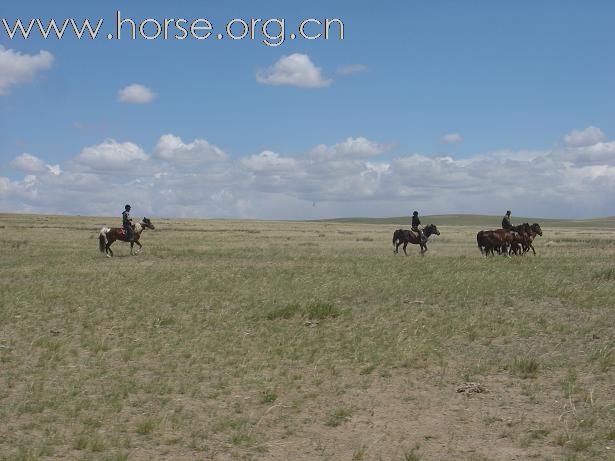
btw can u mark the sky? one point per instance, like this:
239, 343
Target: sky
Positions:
441, 107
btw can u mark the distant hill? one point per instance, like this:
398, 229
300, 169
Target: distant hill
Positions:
478, 221
483, 221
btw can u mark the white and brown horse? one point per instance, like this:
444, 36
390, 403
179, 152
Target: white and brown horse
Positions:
108, 235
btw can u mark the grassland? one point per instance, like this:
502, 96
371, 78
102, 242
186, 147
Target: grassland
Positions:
230, 340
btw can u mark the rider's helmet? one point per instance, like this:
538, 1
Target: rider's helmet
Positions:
416, 213
508, 212
127, 207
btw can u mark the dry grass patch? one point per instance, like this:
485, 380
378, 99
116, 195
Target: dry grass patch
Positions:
311, 342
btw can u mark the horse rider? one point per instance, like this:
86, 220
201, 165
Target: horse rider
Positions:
127, 224
506, 222
416, 222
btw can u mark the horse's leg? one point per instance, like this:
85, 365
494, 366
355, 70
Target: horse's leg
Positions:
132, 244
109, 252
140, 246
532, 247
405, 245
423, 249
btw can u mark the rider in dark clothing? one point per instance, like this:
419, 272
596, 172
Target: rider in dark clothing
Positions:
127, 223
506, 221
416, 222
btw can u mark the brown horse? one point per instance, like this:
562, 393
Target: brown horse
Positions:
500, 240
109, 235
524, 237
530, 234
504, 241
408, 236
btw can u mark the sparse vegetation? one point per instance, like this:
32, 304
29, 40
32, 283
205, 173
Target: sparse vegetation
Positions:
339, 416
525, 367
313, 339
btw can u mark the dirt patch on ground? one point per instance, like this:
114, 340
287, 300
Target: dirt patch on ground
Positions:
394, 417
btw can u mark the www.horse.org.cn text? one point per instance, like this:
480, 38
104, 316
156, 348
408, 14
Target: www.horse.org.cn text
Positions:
270, 32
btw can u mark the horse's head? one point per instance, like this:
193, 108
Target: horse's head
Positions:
431, 229
536, 229
147, 224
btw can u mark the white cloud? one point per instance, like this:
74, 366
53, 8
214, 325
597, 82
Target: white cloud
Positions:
5, 185
294, 70
54, 169
174, 150
29, 163
17, 67
136, 94
351, 69
587, 137
269, 161
346, 179
111, 155
32, 164
351, 147
601, 153
451, 138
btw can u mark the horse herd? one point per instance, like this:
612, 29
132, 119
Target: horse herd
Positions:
517, 240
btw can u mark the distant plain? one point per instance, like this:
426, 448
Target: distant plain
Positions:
229, 339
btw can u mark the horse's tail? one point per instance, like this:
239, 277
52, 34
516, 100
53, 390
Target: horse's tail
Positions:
395, 236
102, 239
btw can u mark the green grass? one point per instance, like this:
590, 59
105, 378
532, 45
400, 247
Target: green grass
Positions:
257, 340
525, 367
339, 416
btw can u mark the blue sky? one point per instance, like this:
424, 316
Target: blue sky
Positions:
505, 81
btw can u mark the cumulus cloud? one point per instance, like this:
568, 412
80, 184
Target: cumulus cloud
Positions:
294, 70
136, 94
351, 147
17, 67
601, 153
111, 155
587, 137
345, 179
54, 169
32, 164
451, 138
268, 161
351, 69
174, 150
29, 163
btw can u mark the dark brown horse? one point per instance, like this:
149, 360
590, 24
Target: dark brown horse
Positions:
529, 234
492, 241
408, 236
503, 241
108, 235
524, 237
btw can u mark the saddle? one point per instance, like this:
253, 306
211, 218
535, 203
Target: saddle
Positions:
122, 232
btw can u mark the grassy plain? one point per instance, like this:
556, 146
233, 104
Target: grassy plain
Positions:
248, 340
